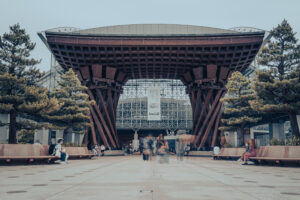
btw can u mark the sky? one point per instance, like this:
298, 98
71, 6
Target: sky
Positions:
40, 15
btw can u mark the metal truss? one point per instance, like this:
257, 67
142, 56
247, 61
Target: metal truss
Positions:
176, 110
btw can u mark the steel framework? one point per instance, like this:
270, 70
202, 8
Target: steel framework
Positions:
176, 110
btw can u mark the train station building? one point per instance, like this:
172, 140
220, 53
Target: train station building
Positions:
189, 66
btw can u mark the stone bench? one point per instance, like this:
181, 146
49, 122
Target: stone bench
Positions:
230, 153
25, 153
78, 152
277, 154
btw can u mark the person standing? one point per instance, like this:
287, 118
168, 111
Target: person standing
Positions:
160, 142
150, 146
141, 145
180, 150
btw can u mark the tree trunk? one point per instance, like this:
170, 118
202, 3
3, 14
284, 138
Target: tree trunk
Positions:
86, 137
242, 135
65, 135
12, 138
67, 131
294, 124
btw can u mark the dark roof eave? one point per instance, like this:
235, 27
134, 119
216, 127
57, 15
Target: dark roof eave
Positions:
261, 33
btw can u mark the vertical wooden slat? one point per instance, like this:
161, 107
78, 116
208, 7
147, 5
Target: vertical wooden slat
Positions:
102, 120
99, 128
94, 138
207, 99
197, 104
107, 115
216, 99
217, 126
211, 122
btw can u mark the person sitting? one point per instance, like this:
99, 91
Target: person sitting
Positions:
247, 150
95, 150
102, 148
61, 152
250, 153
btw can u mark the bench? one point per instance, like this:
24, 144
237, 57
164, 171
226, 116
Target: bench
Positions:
230, 153
114, 153
277, 154
25, 153
78, 152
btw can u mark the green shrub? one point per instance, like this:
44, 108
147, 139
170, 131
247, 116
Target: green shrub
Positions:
294, 141
276, 142
227, 145
26, 136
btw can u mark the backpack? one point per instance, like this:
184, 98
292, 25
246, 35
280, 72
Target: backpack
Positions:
51, 149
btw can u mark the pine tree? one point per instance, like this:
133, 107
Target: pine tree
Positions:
277, 86
74, 111
237, 112
19, 94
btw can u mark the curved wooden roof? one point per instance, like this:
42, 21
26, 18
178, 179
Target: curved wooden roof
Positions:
157, 50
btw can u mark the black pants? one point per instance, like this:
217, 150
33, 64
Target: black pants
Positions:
145, 156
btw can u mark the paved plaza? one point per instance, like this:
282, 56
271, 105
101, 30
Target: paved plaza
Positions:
131, 178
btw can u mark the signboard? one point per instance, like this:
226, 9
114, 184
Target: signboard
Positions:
154, 104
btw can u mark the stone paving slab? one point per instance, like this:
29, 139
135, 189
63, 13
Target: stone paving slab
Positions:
129, 177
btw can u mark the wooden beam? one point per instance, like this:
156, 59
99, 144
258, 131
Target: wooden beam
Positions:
99, 128
121, 76
79, 75
197, 104
217, 126
97, 71
94, 138
102, 120
198, 73
188, 77
211, 109
207, 99
85, 72
99, 94
211, 122
111, 72
223, 73
211, 71
117, 97
110, 103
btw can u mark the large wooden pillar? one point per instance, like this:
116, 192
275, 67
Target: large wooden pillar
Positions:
104, 87
206, 86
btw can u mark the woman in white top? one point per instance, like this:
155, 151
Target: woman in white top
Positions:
61, 152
